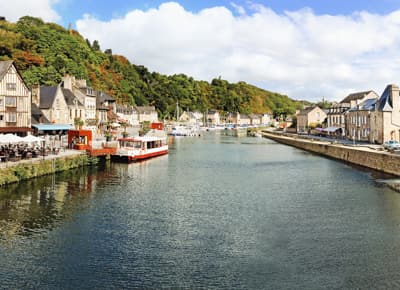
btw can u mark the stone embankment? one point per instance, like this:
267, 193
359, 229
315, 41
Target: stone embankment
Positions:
360, 155
11, 172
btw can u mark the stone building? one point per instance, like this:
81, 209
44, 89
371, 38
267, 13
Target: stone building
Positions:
213, 117
128, 114
310, 117
104, 104
15, 101
75, 108
357, 98
358, 120
336, 119
147, 114
86, 96
385, 119
51, 101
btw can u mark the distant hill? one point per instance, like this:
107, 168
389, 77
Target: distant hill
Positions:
44, 52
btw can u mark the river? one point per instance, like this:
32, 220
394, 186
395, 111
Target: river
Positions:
218, 212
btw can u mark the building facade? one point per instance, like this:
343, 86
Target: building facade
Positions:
86, 96
213, 118
147, 114
310, 118
51, 101
358, 121
385, 120
336, 117
15, 101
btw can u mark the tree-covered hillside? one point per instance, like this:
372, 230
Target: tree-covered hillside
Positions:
44, 52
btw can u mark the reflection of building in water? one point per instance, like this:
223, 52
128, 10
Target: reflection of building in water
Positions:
37, 205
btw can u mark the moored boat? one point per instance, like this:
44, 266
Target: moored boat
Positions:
132, 149
184, 131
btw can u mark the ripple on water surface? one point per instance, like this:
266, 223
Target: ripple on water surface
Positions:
217, 212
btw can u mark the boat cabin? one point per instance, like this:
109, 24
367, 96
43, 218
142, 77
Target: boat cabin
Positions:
142, 143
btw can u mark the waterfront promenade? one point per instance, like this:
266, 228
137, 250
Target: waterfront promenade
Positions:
368, 155
61, 154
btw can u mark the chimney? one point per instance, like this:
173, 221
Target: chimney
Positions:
36, 95
68, 82
81, 83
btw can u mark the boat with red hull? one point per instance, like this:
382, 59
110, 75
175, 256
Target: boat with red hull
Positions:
132, 149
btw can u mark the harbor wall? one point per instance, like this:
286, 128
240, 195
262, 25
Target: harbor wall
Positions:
22, 171
373, 159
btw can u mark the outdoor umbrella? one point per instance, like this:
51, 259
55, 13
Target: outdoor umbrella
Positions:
10, 138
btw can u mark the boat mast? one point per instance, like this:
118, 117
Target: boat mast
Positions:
177, 111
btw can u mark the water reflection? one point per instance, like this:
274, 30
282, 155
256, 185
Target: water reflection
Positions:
217, 212
37, 205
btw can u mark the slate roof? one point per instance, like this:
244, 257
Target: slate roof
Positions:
105, 97
37, 115
145, 109
367, 105
70, 97
385, 101
126, 110
4, 67
355, 96
306, 110
47, 96
101, 99
254, 116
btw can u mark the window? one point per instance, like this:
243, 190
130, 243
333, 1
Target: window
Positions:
12, 117
1, 102
1, 117
11, 101
11, 86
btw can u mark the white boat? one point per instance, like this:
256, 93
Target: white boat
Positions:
184, 131
139, 148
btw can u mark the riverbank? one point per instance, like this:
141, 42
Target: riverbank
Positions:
359, 155
11, 172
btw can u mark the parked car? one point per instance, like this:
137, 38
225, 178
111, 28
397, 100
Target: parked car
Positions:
391, 145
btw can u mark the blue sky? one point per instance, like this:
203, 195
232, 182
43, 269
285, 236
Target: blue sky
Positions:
71, 10
307, 49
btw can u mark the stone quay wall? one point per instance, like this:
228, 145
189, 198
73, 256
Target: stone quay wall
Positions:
18, 171
363, 156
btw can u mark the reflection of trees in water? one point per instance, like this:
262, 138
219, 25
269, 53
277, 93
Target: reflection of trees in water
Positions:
37, 205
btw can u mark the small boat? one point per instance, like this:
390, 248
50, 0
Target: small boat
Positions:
132, 149
183, 131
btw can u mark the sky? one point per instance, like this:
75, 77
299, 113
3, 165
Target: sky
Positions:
305, 49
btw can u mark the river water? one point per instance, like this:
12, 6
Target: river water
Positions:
218, 212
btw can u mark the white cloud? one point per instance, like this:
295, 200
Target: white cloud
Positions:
15, 9
299, 53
